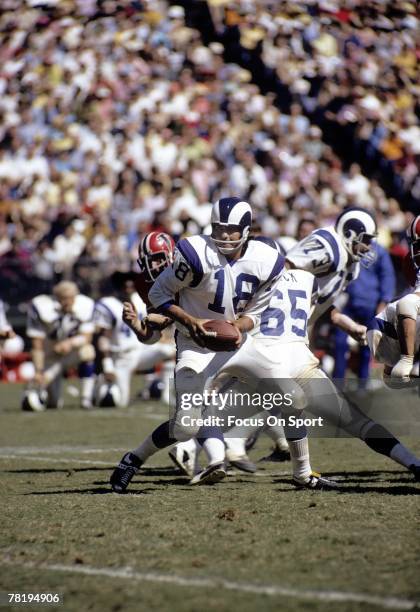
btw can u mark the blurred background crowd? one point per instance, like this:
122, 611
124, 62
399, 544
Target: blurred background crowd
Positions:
119, 117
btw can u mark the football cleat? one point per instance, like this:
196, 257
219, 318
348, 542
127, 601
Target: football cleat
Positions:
124, 472
415, 470
183, 460
34, 401
211, 475
278, 455
244, 464
316, 482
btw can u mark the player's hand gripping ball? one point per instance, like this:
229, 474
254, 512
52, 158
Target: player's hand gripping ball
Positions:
224, 335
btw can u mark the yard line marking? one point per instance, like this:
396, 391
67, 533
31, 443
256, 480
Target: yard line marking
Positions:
52, 460
109, 463
55, 450
394, 603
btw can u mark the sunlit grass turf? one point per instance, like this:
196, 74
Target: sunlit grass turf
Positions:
250, 529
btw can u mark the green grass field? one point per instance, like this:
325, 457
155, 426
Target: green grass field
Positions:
249, 543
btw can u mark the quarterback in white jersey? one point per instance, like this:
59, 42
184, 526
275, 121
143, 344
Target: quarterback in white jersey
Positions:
118, 345
60, 328
334, 255
212, 278
280, 331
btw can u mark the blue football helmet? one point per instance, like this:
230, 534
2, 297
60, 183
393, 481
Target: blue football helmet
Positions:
234, 215
357, 229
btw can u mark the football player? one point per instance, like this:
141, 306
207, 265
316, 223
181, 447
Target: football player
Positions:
282, 330
215, 277
394, 335
118, 346
334, 255
60, 328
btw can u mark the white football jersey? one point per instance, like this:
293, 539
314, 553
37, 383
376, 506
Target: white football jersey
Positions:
323, 254
387, 323
209, 285
4, 323
108, 315
288, 308
47, 320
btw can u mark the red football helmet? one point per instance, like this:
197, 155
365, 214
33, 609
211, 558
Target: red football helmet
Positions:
156, 252
413, 237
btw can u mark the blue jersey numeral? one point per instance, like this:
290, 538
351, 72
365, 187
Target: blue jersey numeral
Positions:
216, 306
278, 315
240, 294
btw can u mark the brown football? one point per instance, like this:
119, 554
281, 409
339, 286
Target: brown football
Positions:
225, 336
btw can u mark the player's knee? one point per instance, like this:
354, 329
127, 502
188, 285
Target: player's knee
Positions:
186, 424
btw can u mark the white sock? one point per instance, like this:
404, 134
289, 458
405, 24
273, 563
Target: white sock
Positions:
190, 446
215, 450
146, 449
403, 456
87, 385
235, 448
299, 454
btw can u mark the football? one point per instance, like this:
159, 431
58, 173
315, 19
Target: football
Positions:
224, 338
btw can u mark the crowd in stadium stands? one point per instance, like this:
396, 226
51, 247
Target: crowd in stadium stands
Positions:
353, 63
116, 119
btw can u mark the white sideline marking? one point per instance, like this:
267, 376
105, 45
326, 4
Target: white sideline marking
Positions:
394, 603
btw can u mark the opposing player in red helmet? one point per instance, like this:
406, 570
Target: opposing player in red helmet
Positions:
156, 252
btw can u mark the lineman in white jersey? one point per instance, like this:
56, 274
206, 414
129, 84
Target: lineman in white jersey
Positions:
281, 332
60, 328
394, 335
333, 255
120, 350
215, 278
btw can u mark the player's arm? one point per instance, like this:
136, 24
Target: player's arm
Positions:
183, 273
35, 331
408, 309
66, 346
103, 345
38, 358
312, 254
346, 323
148, 330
